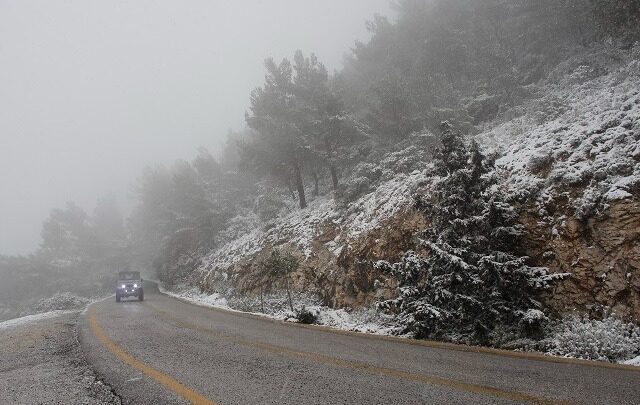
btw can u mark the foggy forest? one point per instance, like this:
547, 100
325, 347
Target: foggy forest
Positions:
466, 174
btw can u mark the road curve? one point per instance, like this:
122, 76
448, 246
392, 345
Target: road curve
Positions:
165, 351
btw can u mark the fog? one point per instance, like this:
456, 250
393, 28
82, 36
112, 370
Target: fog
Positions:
92, 92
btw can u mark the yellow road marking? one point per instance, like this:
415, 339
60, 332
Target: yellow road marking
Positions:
366, 367
169, 382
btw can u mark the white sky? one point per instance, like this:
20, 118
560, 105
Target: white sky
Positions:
93, 91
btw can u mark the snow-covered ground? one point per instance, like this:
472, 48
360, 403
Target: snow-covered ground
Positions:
581, 134
57, 304
300, 227
12, 323
366, 321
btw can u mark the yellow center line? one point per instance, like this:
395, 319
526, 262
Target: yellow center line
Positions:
169, 382
366, 367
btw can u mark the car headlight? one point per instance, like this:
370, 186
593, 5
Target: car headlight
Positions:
135, 286
124, 286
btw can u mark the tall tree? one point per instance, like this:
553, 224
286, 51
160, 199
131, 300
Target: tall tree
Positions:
67, 232
275, 118
322, 114
107, 221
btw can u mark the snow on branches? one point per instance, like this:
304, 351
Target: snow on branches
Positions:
471, 281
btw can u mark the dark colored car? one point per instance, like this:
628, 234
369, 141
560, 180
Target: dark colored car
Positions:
129, 284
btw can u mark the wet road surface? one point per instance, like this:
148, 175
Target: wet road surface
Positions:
166, 351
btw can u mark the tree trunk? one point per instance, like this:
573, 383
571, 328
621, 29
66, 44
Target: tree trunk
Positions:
300, 186
261, 299
332, 166
316, 187
289, 294
334, 176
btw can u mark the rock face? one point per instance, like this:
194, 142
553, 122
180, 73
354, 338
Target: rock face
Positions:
343, 277
361, 285
603, 255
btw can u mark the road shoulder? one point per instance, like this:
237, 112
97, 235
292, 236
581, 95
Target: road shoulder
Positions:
42, 363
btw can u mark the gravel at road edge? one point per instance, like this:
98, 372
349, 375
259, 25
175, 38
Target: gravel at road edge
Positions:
42, 363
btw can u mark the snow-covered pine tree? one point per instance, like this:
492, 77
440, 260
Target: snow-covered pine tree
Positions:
471, 282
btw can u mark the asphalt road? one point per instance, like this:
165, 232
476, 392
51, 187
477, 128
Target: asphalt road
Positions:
165, 351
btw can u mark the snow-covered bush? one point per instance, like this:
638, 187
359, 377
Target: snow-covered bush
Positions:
533, 322
540, 161
353, 189
61, 301
306, 316
371, 171
238, 226
269, 204
609, 339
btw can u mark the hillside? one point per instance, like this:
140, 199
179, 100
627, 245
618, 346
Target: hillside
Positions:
571, 161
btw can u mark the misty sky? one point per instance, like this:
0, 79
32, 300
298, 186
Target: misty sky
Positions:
93, 91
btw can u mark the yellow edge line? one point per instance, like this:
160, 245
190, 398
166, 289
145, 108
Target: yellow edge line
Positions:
169, 382
424, 343
369, 368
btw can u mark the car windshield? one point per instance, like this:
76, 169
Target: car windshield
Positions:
129, 275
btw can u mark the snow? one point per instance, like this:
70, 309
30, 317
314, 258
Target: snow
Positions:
633, 362
608, 339
617, 194
300, 227
390, 197
588, 150
12, 323
193, 296
533, 316
365, 321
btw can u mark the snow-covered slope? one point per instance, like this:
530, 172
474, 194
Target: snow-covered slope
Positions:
567, 154
299, 228
583, 134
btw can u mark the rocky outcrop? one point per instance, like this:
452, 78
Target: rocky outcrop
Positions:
338, 267
601, 252
360, 284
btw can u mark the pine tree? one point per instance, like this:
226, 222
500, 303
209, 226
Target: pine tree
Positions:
275, 117
472, 281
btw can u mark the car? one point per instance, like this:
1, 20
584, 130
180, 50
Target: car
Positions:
129, 284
